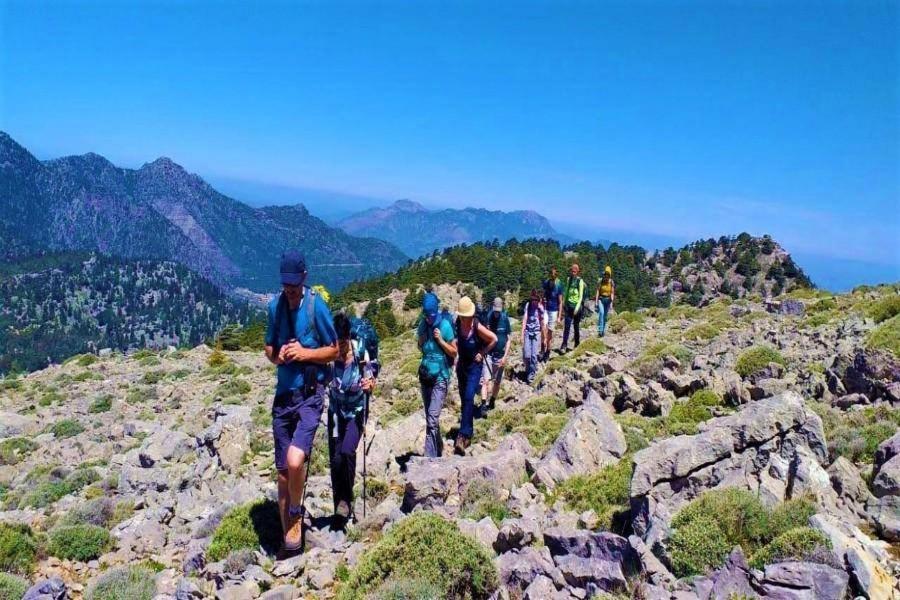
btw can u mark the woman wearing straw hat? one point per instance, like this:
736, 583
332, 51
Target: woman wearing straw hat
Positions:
474, 342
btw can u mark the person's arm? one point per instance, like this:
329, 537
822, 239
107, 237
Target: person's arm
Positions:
449, 348
324, 326
488, 336
581, 287
612, 294
269, 345
421, 333
270, 354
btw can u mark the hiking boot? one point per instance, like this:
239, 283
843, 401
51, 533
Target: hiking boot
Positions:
343, 510
462, 442
293, 537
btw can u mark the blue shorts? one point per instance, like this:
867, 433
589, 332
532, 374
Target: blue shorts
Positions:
295, 419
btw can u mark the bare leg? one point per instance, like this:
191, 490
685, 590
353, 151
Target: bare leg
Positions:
296, 460
283, 496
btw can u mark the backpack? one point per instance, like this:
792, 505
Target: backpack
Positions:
309, 298
502, 337
364, 332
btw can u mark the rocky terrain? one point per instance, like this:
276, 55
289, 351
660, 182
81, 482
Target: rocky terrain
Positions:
729, 451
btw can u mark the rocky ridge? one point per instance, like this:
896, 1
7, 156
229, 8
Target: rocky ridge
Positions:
584, 484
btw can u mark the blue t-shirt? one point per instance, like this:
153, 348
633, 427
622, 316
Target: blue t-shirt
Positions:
433, 357
290, 375
553, 289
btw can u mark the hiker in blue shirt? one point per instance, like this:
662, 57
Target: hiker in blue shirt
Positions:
301, 341
553, 300
437, 342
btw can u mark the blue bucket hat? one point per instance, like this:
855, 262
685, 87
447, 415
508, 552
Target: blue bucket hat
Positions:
293, 267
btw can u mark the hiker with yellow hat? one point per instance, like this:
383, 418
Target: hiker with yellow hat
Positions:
606, 295
474, 342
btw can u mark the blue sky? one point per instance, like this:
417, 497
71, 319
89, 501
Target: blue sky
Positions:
686, 119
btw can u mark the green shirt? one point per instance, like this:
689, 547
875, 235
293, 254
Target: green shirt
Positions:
433, 356
574, 292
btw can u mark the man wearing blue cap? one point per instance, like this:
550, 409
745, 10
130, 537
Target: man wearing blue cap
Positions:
301, 341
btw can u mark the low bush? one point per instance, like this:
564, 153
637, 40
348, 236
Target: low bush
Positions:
606, 492
855, 435
134, 582
101, 404
249, 526
886, 336
18, 548
702, 332
482, 499
407, 589
705, 531
12, 587
429, 549
14, 450
102, 512
66, 428
78, 542
756, 359
885, 308
685, 416
233, 387
52, 485
798, 543
540, 420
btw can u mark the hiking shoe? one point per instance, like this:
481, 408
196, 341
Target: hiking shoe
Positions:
462, 442
293, 537
343, 510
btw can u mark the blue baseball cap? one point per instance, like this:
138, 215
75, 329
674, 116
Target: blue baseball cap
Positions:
293, 267
430, 304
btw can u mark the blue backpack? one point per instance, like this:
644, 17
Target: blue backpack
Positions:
364, 332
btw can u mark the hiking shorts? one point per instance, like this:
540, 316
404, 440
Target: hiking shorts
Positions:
550, 318
493, 372
295, 419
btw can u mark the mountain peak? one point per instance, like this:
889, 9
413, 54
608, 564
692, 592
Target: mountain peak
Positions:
408, 206
164, 163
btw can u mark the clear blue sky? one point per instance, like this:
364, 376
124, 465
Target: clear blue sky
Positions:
680, 118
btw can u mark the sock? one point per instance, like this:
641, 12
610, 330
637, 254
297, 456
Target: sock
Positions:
295, 511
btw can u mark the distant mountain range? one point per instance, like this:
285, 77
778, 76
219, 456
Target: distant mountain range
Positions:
417, 230
161, 211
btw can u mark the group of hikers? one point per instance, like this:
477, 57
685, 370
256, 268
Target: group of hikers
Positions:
319, 354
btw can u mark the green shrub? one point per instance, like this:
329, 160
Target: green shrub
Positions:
249, 526
50, 487
18, 548
134, 582
14, 450
430, 549
541, 420
12, 587
482, 500
705, 531
218, 359
796, 544
102, 512
101, 404
698, 545
407, 589
685, 416
886, 336
855, 435
756, 359
702, 332
606, 492
233, 387
885, 308
66, 428
593, 345
78, 542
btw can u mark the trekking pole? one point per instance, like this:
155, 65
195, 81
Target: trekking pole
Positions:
365, 452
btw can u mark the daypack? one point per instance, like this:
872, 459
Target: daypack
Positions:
364, 333
502, 336
309, 299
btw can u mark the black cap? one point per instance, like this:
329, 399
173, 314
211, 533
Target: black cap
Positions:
293, 267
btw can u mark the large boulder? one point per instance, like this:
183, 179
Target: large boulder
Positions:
853, 494
865, 559
443, 482
591, 560
874, 373
229, 436
518, 569
886, 480
590, 440
774, 447
884, 514
731, 580
794, 580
